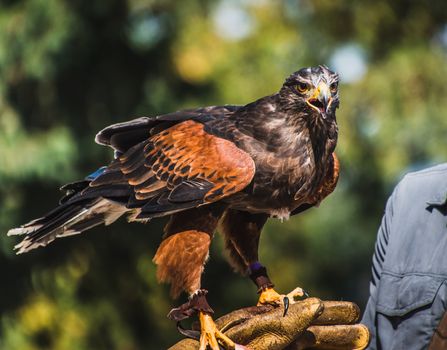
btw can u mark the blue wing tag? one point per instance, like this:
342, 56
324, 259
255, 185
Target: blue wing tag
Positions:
95, 174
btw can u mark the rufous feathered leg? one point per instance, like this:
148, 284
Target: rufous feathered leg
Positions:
180, 261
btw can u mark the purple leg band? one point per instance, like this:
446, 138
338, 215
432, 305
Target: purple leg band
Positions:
258, 275
255, 266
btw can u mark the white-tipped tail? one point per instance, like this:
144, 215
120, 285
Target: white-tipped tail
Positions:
67, 220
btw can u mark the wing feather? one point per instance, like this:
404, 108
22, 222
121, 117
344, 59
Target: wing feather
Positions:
122, 136
180, 168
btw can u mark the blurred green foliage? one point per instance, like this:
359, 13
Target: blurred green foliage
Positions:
69, 68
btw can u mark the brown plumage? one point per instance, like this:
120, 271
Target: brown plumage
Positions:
237, 165
186, 243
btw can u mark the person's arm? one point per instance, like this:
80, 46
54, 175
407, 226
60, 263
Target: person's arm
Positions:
378, 260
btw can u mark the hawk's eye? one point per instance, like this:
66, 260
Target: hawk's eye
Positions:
334, 87
302, 87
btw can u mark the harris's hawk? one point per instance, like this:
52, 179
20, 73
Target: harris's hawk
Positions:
230, 165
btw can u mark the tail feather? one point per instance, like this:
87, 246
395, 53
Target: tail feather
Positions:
87, 224
44, 223
66, 220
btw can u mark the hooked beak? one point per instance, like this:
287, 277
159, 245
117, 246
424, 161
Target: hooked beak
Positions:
321, 99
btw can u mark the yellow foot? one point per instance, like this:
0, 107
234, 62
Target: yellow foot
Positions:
211, 336
272, 297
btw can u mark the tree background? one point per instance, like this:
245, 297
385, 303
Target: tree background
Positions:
69, 68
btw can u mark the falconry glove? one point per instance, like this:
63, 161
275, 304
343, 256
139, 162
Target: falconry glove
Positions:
310, 323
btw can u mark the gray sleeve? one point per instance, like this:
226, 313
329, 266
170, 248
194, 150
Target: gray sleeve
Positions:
377, 264
382, 242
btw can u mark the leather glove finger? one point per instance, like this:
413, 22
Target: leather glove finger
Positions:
335, 329
272, 330
337, 337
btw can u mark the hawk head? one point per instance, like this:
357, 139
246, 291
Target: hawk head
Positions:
311, 91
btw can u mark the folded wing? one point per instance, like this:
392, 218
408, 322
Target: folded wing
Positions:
179, 168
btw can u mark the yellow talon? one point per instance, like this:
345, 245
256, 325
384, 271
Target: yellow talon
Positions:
211, 336
272, 297
269, 296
